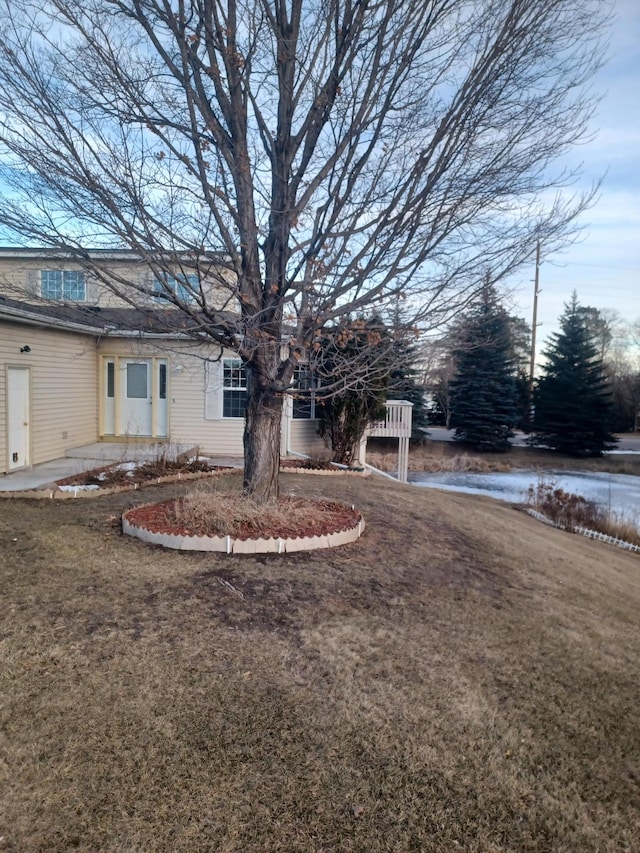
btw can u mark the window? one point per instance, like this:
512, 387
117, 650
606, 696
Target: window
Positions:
137, 386
63, 284
162, 381
111, 377
234, 388
303, 380
184, 286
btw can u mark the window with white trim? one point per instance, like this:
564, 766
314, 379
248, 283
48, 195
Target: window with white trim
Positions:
63, 284
234, 388
184, 286
304, 406
111, 380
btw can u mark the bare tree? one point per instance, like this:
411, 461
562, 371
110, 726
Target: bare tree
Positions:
321, 157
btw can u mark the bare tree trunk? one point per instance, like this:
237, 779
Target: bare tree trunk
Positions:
262, 442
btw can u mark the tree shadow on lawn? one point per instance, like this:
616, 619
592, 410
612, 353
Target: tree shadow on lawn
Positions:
460, 676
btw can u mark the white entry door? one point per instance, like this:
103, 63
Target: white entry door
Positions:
18, 417
136, 415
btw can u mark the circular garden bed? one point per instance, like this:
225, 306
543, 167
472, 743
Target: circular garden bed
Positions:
294, 524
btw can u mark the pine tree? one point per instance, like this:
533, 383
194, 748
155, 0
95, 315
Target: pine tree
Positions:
572, 400
405, 384
484, 398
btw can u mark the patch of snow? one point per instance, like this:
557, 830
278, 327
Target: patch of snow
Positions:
126, 466
79, 488
618, 492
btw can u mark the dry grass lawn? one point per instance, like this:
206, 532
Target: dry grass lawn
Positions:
434, 456
462, 678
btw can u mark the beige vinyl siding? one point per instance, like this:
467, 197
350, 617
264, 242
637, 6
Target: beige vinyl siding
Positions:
303, 437
63, 388
20, 279
186, 394
220, 436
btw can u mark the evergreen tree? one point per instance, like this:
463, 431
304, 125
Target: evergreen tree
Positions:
438, 411
354, 399
520, 332
484, 398
405, 384
572, 400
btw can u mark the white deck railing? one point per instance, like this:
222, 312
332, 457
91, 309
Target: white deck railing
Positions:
397, 422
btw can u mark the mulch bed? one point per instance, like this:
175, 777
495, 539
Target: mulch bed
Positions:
321, 519
143, 474
315, 465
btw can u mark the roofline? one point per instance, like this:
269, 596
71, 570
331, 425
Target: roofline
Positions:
28, 318
125, 333
47, 253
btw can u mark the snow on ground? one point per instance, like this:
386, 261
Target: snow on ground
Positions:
618, 492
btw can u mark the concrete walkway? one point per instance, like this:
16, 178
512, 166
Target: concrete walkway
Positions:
89, 456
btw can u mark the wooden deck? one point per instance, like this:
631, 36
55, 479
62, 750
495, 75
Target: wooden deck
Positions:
396, 424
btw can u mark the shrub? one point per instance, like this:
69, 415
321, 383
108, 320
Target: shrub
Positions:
570, 511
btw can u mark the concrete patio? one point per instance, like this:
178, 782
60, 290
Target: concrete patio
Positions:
90, 456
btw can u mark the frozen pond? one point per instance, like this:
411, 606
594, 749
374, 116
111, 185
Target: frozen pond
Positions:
619, 492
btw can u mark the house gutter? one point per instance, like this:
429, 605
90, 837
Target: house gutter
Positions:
133, 333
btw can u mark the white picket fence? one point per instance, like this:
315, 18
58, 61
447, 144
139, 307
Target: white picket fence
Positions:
586, 531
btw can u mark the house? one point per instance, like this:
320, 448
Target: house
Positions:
79, 365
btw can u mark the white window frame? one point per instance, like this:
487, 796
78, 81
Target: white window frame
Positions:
309, 400
69, 283
180, 285
234, 379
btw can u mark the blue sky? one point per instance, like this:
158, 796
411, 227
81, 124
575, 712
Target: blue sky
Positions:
604, 265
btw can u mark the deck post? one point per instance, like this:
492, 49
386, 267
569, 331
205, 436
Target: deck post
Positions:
362, 451
397, 424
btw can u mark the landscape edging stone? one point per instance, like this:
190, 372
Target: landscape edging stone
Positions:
231, 545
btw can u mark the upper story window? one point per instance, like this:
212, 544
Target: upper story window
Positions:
63, 284
184, 287
234, 388
304, 406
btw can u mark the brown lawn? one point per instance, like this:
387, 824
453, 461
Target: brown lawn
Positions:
462, 678
435, 456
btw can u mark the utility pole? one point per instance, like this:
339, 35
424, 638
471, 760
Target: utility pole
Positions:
536, 291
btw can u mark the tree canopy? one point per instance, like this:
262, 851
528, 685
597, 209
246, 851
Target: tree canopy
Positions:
483, 390
318, 157
573, 410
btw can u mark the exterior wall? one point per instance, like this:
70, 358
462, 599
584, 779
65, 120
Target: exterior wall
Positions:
63, 388
303, 437
20, 279
191, 420
186, 394
67, 391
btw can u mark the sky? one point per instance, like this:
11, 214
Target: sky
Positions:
603, 267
